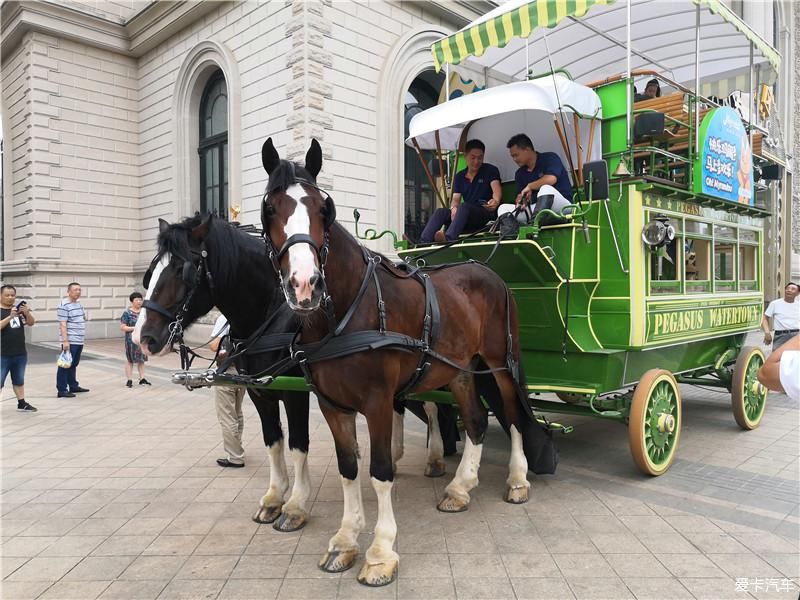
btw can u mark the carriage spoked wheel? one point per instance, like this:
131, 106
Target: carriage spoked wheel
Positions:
654, 422
748, 396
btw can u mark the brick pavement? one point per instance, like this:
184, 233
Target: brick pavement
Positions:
115, 494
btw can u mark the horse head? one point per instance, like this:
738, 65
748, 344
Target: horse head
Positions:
177, 293
296, 216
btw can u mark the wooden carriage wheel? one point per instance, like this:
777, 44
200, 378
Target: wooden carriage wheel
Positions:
748, 396
654, 425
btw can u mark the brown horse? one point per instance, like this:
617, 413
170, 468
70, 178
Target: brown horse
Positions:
320, 265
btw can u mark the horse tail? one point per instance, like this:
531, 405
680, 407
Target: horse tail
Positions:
537, 441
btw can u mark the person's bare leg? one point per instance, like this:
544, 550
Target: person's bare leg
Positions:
128, 370
19, 391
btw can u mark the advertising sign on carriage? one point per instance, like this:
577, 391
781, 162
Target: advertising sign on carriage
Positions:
725, 163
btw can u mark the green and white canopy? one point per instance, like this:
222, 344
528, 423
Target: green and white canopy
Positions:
587, 38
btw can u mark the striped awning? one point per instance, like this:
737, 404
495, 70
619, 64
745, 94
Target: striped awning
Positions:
497, 31
718, 8
516, 20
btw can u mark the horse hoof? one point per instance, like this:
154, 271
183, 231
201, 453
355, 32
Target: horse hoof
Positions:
290, 521
267, 514
336, 561
449, 504
378, 574
435, 469
517, 494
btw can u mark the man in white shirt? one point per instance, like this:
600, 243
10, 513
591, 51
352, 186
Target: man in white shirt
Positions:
228, 401
781, 372
785, 314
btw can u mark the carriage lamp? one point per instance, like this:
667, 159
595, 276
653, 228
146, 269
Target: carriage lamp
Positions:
658, 232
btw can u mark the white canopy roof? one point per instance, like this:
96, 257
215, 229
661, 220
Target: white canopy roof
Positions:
495, 114
592, 46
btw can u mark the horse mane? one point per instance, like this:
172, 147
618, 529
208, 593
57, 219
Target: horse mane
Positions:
229, 245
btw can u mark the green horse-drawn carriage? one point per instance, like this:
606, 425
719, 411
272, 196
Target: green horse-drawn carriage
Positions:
656, 276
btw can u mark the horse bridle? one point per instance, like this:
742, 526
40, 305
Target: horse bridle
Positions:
275, 256
192, 281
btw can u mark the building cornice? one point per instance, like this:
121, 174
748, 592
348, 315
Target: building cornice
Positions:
145, 30
460, 12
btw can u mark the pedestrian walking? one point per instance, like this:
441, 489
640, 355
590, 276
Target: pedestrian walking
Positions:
72, 333
785, 315
13, 354
228, 401
133, 353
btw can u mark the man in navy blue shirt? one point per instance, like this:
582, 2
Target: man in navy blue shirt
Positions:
479, 187
541, 176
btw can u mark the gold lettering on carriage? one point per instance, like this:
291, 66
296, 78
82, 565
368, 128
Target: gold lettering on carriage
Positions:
666, 324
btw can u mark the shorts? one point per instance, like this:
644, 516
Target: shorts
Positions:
16, 366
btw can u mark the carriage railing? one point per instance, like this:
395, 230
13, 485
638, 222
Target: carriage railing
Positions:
669, 160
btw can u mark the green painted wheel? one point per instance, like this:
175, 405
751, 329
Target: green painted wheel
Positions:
654, 425
748, 396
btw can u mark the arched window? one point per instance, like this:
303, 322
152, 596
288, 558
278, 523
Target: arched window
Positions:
420, 199
213, 146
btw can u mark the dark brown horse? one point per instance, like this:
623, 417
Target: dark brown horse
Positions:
321, 266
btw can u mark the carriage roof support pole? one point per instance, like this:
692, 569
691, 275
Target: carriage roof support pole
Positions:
628, 76
564, 144
697, 81
428, 172
591, 139
753, 96
527, 62
577, 121
441, 164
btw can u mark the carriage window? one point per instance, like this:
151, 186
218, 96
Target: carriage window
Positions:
747, 264
723, 263
698, 228
665, 272
697, 265
723, 232
213, 148
748, 236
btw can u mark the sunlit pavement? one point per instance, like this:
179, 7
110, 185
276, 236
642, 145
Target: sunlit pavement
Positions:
116, 494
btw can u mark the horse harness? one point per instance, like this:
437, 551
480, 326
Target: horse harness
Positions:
337, 344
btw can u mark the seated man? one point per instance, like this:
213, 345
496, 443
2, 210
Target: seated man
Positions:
541, 175
479, 186
651, 90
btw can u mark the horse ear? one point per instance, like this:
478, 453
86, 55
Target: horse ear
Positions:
200, 232
328, 213
269, 157
162, 226
314, 158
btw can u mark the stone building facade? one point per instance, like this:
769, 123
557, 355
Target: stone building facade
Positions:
101, 106
100, 111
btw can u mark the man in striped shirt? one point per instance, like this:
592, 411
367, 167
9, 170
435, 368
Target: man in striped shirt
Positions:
72, 331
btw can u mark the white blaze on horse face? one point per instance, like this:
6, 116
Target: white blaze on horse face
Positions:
154, 276
302, 260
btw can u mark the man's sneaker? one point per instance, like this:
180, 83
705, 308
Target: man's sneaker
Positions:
25, 407
78, 390
144, 381
129, 383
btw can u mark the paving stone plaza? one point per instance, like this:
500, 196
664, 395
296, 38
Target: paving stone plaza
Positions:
116, 494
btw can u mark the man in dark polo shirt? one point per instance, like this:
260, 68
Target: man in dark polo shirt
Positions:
479, 187
541, 179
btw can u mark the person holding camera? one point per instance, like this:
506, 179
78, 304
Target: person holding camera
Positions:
72, 331
13, 354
